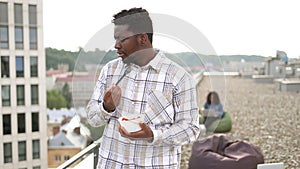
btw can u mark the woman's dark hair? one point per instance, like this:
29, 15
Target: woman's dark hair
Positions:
216, 98
138, 20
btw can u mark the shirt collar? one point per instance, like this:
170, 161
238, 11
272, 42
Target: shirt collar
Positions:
156, 62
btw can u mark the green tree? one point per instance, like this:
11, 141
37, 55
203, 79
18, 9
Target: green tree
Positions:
55, 57
55, 99
77, 59
67, 95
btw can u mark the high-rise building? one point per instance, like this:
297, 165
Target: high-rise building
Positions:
23, 136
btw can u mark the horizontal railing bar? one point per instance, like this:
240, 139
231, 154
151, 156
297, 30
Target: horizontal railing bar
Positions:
79, 155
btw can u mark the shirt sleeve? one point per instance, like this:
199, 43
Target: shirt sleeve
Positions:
185, 128
96, 115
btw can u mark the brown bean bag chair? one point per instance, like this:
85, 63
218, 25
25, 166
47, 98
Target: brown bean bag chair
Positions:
218, 152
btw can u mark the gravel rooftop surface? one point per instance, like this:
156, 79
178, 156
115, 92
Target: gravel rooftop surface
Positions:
261, 115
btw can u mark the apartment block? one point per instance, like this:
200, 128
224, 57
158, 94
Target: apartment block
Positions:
23, 133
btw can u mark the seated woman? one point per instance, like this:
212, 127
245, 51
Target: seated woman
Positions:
213, 108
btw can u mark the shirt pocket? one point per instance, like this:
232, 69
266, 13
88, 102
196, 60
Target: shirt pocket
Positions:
160, 111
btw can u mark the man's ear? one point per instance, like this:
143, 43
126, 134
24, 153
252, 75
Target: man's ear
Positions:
143, 38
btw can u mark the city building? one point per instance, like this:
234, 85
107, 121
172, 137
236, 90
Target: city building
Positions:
52, 74
272, 67
61, 150
23, 136
67, 139
81, 87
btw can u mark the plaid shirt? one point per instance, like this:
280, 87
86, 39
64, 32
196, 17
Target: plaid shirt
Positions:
165, 94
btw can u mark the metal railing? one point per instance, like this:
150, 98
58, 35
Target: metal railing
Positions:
94, 147
198, 77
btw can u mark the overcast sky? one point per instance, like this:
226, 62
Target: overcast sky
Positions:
250, 27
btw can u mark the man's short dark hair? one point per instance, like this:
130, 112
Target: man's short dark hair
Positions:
138, 20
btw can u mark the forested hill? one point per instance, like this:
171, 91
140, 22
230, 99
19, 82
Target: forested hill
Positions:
80, 58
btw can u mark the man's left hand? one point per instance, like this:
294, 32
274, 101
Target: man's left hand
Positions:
144, 134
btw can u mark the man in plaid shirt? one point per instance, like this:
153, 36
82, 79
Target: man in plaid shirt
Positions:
142, 80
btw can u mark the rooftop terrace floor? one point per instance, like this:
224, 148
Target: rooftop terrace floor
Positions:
262, 115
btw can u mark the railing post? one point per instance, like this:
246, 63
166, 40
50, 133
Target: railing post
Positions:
96, 155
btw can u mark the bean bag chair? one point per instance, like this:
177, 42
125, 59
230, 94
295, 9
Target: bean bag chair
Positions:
221, 125
201, 118
218, 152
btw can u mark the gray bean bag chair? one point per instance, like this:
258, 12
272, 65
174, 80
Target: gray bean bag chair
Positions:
218, 152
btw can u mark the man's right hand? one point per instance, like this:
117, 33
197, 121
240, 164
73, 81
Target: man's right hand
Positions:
112, 98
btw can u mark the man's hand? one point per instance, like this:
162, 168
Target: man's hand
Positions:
112, 98
144, 134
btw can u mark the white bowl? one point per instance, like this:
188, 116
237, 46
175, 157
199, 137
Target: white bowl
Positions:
131, 122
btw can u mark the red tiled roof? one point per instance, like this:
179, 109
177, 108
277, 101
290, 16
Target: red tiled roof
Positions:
53, 72
69, 79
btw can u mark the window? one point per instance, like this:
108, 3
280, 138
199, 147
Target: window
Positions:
22, 150
18, 13
4, 66
36, 167
66, 158
35, 149
5, 95
33, 37
33, 26
3, 25
57, 158
3, 12
6, 124
32, 15
35, 121
21, 123
34, 94
19, 37
288, 70
7, 152
33, 66
19, 66
20, 95
3, 37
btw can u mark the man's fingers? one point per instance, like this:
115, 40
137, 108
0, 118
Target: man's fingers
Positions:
143, 126
112, 97
147, 131
116, 95
122, 131
116, 90
144, 133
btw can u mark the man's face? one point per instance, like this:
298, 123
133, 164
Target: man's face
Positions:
126, 43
